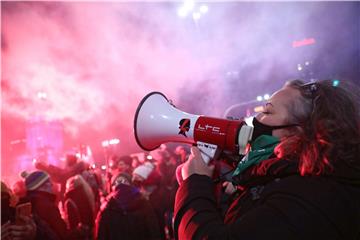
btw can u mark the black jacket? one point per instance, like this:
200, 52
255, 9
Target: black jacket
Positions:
277, 203
127, 215
44, 206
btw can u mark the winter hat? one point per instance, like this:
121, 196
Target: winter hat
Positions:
35, 179
123, 175
144, 170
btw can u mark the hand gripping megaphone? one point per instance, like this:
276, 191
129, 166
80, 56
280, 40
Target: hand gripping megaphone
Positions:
157, 121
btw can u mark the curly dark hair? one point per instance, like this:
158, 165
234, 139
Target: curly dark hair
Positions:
328, 115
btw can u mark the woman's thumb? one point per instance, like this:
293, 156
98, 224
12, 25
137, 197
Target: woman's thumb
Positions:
195, 151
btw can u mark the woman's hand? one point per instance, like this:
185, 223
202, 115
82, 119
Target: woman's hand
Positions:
26, 231
196, 165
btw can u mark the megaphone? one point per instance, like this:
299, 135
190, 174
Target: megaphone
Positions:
158, 121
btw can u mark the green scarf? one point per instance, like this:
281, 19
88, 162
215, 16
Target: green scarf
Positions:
261, 149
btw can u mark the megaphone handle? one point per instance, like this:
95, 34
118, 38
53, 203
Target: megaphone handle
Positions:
207, 150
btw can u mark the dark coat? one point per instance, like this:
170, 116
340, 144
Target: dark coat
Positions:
43, 230
44, 206
79, 210
277, 203
127, 215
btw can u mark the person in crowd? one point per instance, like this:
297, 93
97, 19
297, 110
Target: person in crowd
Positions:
9, 228
121, 164
19, 189
126, 214
41, 195
28, 228
118, 165
79, 206
61, 175
148, 179
95, 181
182, 154
135, 162
166, 167
300, 179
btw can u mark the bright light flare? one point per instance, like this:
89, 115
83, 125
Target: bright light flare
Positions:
103, 167
266, 96
196, 15
335, 83
259, 98
105, 143
182, 12
189, 5
149, 157
299, 67
114, 141
41, 95
204, 9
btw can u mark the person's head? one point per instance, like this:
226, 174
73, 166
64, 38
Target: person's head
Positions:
71, 160
120, 164
160, 156
323, 119
182, 153
75, 182
121, 178
38, 181
180, 150
19, 188
78, 184
135, 162
142, 172
7, 195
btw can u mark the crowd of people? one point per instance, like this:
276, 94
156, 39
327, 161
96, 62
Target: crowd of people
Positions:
300, 179
132, 199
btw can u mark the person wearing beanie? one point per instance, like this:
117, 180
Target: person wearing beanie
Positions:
121, 178
126, 214
142, 172
35, 179
148, 179
118, 165
43, 200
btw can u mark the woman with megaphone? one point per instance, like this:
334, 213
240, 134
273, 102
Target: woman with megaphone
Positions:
299, 180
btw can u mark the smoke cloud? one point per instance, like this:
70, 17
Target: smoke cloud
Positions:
95, 61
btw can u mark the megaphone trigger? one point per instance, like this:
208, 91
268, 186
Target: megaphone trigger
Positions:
208, 151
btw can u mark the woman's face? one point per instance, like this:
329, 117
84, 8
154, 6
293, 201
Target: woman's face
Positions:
276, 111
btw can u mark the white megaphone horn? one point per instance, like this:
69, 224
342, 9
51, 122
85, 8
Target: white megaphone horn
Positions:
157, 121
